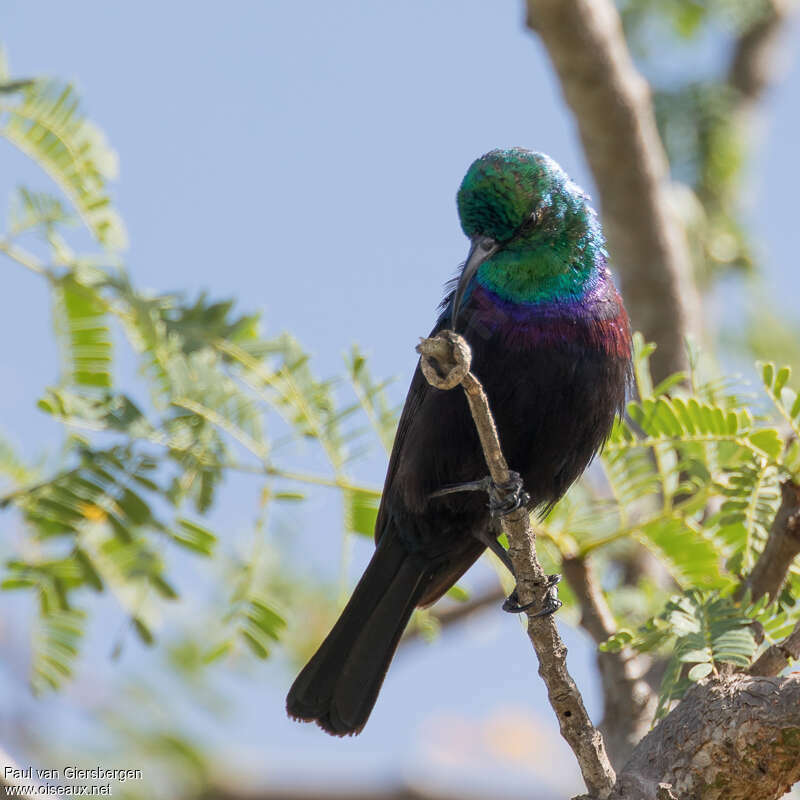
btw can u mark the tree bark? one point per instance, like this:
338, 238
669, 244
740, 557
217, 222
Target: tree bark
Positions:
736, 738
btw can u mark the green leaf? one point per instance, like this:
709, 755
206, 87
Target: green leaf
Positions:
700, 671
781, 378
90, 573
707, 628
614, 644
669, 383
37, 211
767, 440
691, 558
261, 626
84, 333
699, 656
751, 498
458, 593
361, 511
193, 536
786, 400
56, 640
292, 497
217, 653
143, 631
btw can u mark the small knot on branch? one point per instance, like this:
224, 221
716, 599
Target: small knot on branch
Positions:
446, 359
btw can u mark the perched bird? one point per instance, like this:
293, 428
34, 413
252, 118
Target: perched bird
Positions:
551, 344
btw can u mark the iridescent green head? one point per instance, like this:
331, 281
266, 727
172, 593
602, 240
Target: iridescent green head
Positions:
534, 236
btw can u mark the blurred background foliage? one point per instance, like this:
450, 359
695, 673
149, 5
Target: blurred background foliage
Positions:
708, 116
113, 516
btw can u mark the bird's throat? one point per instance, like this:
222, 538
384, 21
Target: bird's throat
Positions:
545, 275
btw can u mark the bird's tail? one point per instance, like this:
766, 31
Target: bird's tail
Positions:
339, 686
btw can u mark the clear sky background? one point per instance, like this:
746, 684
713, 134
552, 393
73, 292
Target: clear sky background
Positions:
304, 158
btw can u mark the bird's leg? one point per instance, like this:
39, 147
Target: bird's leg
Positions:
511, 603
503, 497
483, 485
491, 542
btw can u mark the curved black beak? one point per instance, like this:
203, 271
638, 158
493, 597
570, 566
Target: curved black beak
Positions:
483, 247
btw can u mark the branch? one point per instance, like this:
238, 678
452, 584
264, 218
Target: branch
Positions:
445, 363
630, 703
754, 65
737, 738
783, 544
777, 657
613, 109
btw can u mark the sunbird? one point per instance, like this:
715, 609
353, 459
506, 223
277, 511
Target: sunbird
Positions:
551, 344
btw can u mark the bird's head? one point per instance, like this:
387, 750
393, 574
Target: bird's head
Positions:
532, 233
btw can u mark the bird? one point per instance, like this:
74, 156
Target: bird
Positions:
551, 344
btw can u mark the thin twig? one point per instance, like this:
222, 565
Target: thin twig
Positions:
22, 257
444, 357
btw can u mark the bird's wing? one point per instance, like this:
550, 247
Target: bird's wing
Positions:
414, 399
417, 392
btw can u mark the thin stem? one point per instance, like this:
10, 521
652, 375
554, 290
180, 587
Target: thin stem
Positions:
22, 257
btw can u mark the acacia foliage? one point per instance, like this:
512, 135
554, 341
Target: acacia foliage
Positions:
141, 465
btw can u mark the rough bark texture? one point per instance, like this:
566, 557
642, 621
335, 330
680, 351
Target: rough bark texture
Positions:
612, 105
737, 738
452, 358
629, 701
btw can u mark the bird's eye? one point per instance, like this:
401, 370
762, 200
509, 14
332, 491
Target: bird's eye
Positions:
486, 244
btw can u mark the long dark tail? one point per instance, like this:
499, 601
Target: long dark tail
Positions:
339, 686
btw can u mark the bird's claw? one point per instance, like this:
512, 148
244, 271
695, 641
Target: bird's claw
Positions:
507, 497
551, 602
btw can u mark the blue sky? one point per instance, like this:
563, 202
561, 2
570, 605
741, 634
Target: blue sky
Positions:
304, 158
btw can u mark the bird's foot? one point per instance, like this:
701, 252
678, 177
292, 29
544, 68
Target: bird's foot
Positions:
551, 602
507, 497
503, 497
